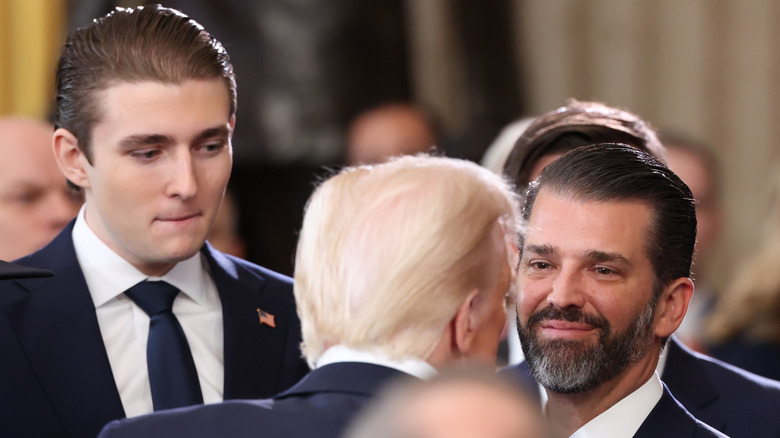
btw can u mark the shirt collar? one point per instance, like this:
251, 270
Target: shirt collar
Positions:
410, 365
108, 275
625, 417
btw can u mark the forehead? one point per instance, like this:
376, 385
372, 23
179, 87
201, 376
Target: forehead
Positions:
158, 107
573, 225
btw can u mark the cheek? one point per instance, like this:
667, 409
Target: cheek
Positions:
530, 296
215, 175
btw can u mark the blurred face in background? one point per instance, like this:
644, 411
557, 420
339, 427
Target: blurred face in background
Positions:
693, 170
389, 131
35, 203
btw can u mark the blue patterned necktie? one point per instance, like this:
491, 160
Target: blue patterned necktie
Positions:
172, 373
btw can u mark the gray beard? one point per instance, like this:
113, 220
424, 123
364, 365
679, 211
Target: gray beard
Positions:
571, 367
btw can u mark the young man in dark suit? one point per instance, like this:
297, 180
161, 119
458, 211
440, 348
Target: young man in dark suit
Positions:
402, 269
602, 283
141, 314
732, 400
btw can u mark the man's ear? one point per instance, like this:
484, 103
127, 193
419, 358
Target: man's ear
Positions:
464, 324
672, 306
70, 158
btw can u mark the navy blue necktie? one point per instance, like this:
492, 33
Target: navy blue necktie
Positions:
172, 372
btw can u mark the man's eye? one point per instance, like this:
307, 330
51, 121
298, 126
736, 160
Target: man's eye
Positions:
604, 271
146, 154
212, 148
540, 265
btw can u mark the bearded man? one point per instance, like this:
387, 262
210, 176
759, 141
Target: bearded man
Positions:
603, 281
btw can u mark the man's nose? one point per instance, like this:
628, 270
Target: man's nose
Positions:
183, 182
567, 290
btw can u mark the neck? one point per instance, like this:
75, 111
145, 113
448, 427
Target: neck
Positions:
569, 412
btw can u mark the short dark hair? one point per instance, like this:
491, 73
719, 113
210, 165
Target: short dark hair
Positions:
147, 43
574, 125
617, 172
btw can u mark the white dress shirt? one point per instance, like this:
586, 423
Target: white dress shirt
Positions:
410, 365
125, 327
624, 418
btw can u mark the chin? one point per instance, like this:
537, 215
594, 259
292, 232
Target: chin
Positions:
179, 252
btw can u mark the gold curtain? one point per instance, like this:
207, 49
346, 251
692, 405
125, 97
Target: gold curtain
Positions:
31, 33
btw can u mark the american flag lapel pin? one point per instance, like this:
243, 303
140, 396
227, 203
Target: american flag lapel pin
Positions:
266, 318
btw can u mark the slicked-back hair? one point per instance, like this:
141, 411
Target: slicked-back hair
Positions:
574, 125
147, 43
619, 172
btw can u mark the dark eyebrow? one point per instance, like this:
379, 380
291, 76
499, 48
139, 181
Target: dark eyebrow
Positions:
140, 140
540, 250
601, 257
219, 131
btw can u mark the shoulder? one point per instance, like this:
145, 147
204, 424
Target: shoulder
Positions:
243, 269
59, 257
736, 382
760, 357
234, 418
731, 399
207, 420
670, 418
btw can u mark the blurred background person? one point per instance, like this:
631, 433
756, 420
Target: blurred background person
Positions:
695, 164
744, 329
458, 403
35, 202
496, 154
390, 130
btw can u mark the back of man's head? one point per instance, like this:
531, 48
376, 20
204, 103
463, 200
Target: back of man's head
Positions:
619, 172
574, 125
388, 253
147, 43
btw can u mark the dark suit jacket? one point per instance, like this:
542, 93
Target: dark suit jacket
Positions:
55, 377
731, 400
321, 405
669, 419
734, 401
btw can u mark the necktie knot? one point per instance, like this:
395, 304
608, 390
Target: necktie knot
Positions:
153, 297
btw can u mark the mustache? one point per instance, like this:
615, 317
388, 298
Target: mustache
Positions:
570, 314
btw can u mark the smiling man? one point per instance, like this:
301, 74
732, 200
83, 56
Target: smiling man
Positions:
603, 281
142, 314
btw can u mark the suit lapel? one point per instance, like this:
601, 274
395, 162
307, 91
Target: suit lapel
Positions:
57, 327
667, 416
253, 351
688, 381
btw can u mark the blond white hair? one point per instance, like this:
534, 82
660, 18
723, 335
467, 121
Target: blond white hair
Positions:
387, 253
